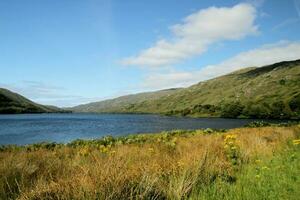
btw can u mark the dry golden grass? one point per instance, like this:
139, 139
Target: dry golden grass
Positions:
152, 170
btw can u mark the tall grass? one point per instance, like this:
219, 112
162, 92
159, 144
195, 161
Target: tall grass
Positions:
245, 163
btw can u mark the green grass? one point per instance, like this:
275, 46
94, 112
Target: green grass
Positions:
275, 177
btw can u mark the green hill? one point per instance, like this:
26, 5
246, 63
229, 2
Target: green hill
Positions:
13, 103
271, 91
124, 104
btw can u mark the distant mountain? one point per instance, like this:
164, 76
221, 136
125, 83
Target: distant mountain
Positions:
271, 91
13, 103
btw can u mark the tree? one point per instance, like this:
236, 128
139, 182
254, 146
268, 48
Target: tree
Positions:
295, 103
279, 110
254, 110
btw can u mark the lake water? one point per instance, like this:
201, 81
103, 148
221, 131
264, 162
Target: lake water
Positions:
62, 128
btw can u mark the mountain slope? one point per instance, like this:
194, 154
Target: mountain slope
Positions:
13, 103
123, 103
272, 91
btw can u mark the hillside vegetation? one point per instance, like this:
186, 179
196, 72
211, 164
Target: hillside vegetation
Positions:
271, 91
244, 163
13, 103
123, 103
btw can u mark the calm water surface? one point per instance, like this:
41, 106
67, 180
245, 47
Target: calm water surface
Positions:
33, 128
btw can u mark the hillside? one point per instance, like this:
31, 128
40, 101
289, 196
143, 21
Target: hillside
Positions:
123, 103
271, 91
13, 103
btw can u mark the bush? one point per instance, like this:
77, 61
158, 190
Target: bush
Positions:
295, 104
257, 124
282, 82
280, 111
255, 110
232, 110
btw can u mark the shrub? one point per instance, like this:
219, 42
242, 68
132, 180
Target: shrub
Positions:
282, 82
255, 110
280, 111
232, 110
257, 124
295, 104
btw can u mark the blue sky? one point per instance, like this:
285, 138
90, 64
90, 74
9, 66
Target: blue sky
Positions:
68, 52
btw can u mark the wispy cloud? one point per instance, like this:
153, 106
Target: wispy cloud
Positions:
267, 54
47, 94
297, 6
69, 101
256, 3
196, 33
290, 21
285, 23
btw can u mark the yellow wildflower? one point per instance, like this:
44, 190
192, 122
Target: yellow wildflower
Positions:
296, 142
84, 151
265, 168
180, 164
232, 136
112, 152
103, 149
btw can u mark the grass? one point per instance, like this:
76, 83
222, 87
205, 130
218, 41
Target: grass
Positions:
244, 163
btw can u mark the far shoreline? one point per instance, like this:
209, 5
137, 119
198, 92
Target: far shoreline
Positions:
254, 124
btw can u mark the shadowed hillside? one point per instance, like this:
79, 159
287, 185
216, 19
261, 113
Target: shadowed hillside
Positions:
13, 103
272, 91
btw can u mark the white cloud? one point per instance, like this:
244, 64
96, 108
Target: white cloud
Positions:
196, 33
267, 54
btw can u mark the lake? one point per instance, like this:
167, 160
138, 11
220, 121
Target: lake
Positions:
62, 128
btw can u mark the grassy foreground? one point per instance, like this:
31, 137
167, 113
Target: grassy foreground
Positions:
244, 163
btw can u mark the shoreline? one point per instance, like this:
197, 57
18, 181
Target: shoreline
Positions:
133, 136
159, 114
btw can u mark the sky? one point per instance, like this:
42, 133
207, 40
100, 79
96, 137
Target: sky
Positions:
70, 52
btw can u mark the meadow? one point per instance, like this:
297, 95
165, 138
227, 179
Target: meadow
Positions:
255, 162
